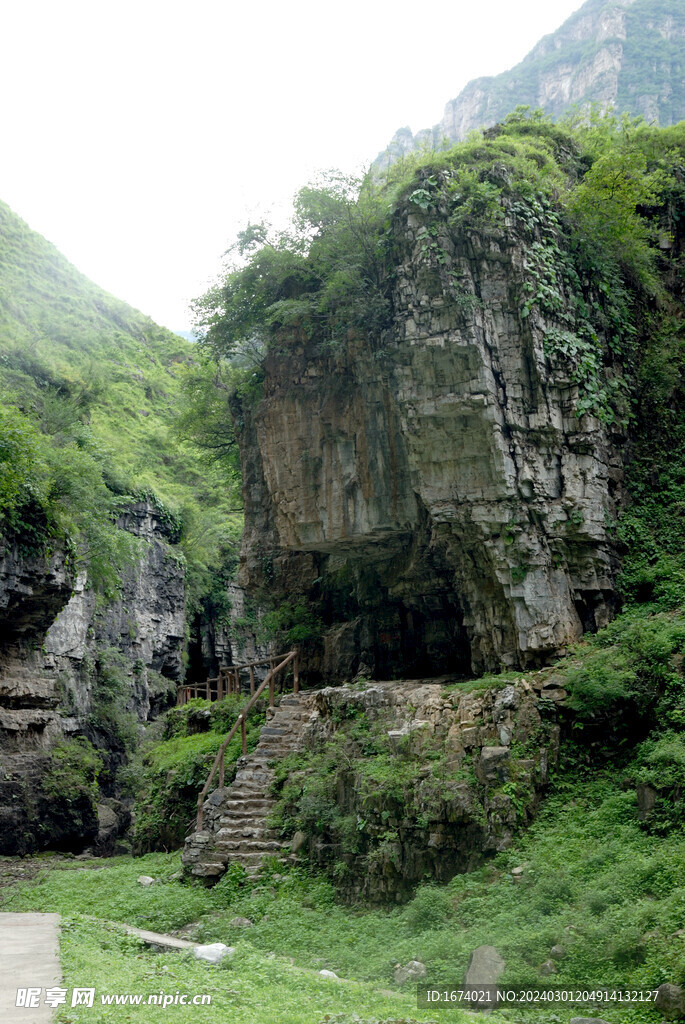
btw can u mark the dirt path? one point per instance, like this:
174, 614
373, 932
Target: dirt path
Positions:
29, 946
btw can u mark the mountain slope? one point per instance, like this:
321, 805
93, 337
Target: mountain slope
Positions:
629, 54
94, 376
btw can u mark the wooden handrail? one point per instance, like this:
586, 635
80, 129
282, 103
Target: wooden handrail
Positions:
241, 723
229, 674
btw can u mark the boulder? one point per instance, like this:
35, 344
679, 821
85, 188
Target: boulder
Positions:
297, 842
145, 880
548, 968
485, 967
646, 800
557, 952
670, 1000
493, 766
240, 922
331, 975
214, 953
413, 971
108, 830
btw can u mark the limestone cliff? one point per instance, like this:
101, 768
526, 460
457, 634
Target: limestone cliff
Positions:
56, 638
625, 54
435, 492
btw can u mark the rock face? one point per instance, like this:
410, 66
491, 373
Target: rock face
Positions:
599, 55
435, 491
55, 641
450, 811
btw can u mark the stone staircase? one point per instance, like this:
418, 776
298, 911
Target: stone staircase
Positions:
236, 830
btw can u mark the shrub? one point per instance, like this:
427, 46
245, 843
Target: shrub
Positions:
430, 908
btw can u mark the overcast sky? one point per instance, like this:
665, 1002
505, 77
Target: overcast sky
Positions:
140, 136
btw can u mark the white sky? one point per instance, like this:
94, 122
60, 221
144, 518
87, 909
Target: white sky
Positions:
140, 136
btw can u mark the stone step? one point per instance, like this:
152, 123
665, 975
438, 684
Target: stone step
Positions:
258, 799
253, 808
256, 776
240, 814
251, 788
228, 845
247, 831
243, 836
250, 861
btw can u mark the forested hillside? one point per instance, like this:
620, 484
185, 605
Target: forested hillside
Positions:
92, 395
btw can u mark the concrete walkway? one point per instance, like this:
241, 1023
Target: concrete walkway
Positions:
29, 947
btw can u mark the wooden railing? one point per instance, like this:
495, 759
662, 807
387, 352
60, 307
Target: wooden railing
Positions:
228, 681
277, 666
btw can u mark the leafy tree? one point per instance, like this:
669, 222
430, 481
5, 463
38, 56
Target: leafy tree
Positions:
327, 274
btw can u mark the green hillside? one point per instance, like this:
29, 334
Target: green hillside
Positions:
91, 390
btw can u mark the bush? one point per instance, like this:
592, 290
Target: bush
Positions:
73, 772
167, 776
430, 908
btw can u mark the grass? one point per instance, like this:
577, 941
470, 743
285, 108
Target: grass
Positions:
594, 881
252, 988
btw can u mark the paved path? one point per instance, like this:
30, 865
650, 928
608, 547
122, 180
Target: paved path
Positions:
29, 946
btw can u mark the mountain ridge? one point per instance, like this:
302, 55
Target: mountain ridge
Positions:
627, 54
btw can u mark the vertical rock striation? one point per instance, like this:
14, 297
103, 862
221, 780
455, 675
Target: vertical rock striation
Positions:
438, 486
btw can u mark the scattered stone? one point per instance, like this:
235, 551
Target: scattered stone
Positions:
240, 922
297, 842
670, 1000
549, 967
557, 952
517, 872
329, 974
145, 880
413, 971
485, 967
214, 953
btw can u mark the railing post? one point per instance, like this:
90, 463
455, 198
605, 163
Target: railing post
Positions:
221, 771
243, 733
296, 674
200, 814
251, 679
271, 690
